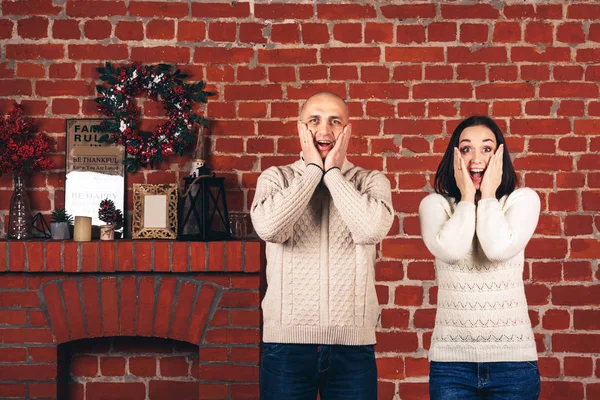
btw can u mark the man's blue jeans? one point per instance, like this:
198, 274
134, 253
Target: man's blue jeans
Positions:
490, 381
299, 371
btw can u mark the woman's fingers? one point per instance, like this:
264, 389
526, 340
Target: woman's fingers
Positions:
495, 165
466, 175
500, 157
457, 160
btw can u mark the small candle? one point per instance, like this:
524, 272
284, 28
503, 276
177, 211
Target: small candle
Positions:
82, 231
195, 165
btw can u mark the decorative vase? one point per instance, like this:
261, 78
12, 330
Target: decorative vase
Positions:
107, 232
60, 230
19, 219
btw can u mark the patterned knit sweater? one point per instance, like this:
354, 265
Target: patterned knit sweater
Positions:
321, 232
479, 255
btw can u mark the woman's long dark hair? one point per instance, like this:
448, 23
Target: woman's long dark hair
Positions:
445, 183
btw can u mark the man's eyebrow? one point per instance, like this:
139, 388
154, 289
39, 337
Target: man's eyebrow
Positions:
318, 116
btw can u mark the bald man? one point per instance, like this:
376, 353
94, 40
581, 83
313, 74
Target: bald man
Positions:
321, 218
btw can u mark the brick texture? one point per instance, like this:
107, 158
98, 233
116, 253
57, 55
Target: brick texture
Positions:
128, 335
410, 70
152, 367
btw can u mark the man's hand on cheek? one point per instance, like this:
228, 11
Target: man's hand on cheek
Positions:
337, 155
307, 143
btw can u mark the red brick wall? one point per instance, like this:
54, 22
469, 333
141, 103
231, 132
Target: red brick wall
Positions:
64, 313
132, 367
411, 71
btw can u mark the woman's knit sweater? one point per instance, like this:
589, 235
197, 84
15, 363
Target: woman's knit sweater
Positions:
479, 255
321, 232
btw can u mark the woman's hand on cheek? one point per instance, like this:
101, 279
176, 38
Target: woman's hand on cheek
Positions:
463, 179
492, 178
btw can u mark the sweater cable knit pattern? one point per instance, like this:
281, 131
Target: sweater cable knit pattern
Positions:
321, 231
482, 313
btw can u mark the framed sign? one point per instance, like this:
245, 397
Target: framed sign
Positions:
154, 211
94, 170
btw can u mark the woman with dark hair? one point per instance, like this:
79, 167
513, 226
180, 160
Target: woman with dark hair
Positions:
477, 225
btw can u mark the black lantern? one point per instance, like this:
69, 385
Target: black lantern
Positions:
203, 209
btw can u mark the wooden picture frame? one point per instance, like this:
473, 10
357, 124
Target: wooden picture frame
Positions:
154, 211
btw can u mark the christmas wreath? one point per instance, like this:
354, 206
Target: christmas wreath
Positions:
118, 102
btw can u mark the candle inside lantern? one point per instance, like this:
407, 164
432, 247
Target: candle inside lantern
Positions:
200, 144
198, 163
82, 231
194, 168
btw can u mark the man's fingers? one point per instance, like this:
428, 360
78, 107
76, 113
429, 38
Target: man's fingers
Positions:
305, 134
347, 131
301, 128
340, 142
345, 140
302, 131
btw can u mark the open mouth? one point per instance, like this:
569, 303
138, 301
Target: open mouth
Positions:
476, 173
324, 145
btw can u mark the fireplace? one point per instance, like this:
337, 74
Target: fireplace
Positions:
129, 319
134, 368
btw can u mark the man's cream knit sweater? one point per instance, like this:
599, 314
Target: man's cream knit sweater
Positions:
479, 254
321, 232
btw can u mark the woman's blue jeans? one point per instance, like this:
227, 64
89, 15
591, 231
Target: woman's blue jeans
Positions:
300, 371
489, 381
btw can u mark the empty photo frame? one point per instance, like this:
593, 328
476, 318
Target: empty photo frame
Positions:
154, 211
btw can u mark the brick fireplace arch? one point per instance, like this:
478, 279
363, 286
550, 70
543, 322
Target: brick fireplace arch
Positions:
204, 293
151, 306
